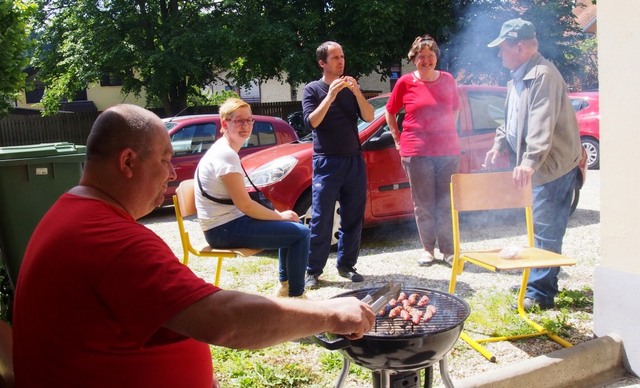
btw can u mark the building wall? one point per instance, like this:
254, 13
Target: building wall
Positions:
102, 96
617, 277
107, 96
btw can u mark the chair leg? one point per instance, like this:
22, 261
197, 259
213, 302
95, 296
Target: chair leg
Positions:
481, 349
216, 282
454, 274
521, 311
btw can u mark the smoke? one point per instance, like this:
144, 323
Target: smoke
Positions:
467, 54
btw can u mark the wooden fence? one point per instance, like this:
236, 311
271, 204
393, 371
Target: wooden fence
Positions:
75, 127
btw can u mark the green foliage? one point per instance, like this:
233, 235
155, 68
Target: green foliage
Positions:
558, 324
575, 298
209, 98
6, 295
174, 48
332, 363
14, 45
492, 315
165, 48
588, 58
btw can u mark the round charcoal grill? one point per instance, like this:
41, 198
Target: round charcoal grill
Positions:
394, 346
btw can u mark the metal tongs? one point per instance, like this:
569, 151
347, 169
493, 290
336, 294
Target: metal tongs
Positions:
379, 298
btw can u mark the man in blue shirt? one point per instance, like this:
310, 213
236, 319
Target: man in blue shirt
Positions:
331, 107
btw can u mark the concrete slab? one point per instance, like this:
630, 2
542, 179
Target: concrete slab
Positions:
589, 364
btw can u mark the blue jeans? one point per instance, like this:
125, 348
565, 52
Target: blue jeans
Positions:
342, 179
290, 238
551, 210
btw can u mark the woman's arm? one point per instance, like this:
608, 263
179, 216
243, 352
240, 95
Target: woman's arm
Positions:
234, 183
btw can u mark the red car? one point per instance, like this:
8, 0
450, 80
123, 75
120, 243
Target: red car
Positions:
587, 107
284, 173
191, 137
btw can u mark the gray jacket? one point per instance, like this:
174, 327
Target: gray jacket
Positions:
552, 144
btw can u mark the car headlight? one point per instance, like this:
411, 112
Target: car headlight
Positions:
272, 172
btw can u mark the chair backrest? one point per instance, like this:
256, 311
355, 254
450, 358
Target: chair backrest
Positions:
186, 198
488, 191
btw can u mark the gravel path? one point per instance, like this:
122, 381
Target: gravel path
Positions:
390, 252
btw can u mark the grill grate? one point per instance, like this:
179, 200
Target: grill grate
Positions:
451, 311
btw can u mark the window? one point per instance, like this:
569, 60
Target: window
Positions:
263, 135
193, 139
487, 111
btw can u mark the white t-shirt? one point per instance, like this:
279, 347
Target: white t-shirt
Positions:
217, 162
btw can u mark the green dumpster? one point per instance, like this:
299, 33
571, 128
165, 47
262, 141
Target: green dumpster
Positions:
32, 177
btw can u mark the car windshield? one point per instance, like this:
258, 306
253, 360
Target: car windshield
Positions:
379, 107
170, 124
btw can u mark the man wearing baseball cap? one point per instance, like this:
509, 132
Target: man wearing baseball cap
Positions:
540, 134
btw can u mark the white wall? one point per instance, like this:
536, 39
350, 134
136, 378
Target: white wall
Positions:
617, 278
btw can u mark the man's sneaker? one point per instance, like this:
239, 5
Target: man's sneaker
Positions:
426, 259
350, 273
532, 304
311, 281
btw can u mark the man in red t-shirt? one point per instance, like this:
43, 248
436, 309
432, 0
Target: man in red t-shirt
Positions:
102, 301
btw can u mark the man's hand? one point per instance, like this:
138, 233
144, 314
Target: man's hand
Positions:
336, 86
490, 159
353, 318
522, 176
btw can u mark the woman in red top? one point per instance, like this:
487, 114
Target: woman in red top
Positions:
428, 144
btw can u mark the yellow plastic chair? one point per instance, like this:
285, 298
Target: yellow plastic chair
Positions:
494, 191
185, 205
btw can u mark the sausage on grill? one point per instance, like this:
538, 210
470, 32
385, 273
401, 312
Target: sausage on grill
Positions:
423, 301
395, 311
429, 312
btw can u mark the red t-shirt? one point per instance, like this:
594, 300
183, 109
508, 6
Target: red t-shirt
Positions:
95, 288
429, 127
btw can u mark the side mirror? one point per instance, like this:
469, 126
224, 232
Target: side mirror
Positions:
380, 141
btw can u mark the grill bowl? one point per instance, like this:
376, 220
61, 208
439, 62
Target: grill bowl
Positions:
404, 347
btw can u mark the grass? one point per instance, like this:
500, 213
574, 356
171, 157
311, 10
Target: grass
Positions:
493, 314
293, 364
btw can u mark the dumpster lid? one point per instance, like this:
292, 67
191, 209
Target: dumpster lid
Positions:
39, 150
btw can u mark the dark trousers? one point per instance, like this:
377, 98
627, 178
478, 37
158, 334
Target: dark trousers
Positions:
430, 178
342, 179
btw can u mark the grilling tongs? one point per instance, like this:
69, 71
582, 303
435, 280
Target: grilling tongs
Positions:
379, 298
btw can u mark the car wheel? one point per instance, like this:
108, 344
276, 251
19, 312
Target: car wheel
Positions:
303, 208
593, 152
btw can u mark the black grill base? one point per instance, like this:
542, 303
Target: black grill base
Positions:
401, 379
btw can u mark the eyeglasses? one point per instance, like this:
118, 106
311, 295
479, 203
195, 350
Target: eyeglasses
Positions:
243, 121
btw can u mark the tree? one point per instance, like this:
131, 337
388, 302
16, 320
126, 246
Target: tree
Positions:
173, 48
166, 47
14, 43
278, 39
